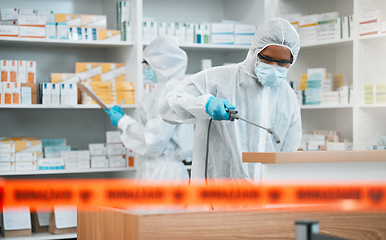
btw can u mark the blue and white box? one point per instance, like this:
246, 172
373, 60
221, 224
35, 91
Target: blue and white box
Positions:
61, 30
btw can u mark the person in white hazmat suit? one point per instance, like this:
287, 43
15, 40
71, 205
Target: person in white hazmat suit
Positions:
160, 146
257, 89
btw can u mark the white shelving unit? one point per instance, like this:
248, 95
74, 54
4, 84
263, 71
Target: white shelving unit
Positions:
305, 107
372, 106
54, 172
369, 69
334, 55
16, 41
43, 236
360, 59
331, 43
80, 106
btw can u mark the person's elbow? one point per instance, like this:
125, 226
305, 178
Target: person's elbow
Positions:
166, 112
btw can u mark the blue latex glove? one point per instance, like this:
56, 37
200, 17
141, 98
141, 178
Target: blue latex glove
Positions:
216, 108
115, 113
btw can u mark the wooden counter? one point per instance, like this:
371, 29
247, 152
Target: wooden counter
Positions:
254, 224
332, 166
315, 156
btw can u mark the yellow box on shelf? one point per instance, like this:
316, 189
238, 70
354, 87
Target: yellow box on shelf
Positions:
369, 93
99, 86
303, 82
119, 79
338, 80
63, 78
94, 21
27, 146
20, 139
109, 35
380, 96
380, 88
106, 67
96, 78
72, 20
124, 86
88, 70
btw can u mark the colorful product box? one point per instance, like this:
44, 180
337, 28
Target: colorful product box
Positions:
109, 35
31, 21
4, 68
26, 166
13, 71
72, 20
7, 147
94, 21
9, 31
99, 162
88, 70
31, 71
117, 161
7, 93
63, 78
8, 14
50, 164
7, 166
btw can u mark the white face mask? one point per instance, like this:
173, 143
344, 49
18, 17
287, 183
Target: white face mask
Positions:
270, 75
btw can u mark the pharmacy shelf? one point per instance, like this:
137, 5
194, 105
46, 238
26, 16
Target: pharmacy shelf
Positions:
305, 107
374, 36
329, 43
38, 236
40, 106
50, 172
15, 41
213, 46
379, 105
335, 43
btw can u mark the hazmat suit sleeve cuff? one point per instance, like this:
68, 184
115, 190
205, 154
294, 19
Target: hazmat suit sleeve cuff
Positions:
203, 99
125, 122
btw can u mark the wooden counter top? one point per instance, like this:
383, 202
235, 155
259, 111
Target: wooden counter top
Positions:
315, 156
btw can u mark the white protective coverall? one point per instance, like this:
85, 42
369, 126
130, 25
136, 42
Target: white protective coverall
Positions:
274, 107
160, 146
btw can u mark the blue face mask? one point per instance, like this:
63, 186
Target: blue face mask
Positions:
270, 75
149, 74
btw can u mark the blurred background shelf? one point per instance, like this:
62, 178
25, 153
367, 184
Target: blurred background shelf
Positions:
64, 171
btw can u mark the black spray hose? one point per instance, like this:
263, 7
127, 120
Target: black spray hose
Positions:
207, 151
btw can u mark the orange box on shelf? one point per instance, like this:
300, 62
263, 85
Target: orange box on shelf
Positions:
13, 71
7, 92
63, 78
88, 70
124, 86
9, 31
4, 68
34, 95
31, 71
109, 35
111, 71
27, 146
20, 139
94, 21
15, 93
72, 20
119, 79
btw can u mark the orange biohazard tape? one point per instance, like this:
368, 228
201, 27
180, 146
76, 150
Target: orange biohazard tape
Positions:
130, 194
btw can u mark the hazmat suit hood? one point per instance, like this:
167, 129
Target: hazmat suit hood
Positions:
166, 59
275, 31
